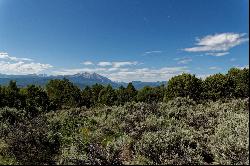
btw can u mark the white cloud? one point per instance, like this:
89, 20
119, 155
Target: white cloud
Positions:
22, 67
242, 67
104, 64
124, 69
117, 64
183, 60
218, 42
14, 65
87, 63
120, 64
116, 71
5, 56
214, 68
113, 69
203, 76
217, 53
147, 74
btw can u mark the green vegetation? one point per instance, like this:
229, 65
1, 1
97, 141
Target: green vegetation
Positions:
185, 85
190, 121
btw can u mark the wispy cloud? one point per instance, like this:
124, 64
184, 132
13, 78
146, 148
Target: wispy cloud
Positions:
183, 60
217, 53
152, 52
219, 43
87, 63
233, 59
117, 64
14, 65
214, 68
113, 69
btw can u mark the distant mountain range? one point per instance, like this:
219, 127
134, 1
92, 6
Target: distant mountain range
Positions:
81, 80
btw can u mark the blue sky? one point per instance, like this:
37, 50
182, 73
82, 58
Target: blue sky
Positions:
125, 40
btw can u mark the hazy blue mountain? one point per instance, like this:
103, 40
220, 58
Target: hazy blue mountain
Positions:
81, 79
140, 84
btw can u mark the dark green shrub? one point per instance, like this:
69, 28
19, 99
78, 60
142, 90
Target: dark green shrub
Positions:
63, 93
150, 94
239, 82
107, 96
184, 85
216, 87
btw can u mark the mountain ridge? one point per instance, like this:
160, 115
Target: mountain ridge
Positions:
80, 79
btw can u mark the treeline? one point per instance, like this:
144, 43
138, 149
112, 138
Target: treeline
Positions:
63, 94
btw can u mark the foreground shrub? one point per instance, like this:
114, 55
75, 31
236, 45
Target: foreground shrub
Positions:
24, 140
176, 132
230, 142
